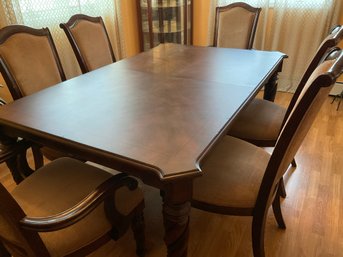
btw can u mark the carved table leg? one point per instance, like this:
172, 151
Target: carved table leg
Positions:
176, 211
270, 88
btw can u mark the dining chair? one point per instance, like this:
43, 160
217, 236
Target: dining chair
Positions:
261, 121
29, 62
90, 42
242, 179
235, 25
69, 208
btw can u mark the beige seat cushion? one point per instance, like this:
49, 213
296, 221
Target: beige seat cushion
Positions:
260, 120
232, 175
60, 185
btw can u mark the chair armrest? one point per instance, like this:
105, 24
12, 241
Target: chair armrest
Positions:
81, 209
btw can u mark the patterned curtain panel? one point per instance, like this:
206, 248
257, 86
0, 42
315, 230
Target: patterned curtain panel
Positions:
50, 13
295, 27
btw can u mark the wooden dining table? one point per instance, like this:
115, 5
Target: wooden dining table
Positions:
155, 116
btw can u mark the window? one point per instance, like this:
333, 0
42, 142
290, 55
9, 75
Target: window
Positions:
297, 4
37, 13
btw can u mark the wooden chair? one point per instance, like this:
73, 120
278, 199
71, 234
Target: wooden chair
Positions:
29, 62
242, 179
89, 40
69, 208
235, 25
261, 122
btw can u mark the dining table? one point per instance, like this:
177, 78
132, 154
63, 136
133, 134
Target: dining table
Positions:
155, 116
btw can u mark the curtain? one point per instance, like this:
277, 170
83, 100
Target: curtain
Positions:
50, 13
294, 27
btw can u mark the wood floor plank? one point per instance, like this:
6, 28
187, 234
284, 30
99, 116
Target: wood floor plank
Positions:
313, 208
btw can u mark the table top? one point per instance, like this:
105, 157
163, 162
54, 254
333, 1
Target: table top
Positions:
155, 114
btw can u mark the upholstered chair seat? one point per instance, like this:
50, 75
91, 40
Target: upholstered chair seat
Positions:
242, 179
63, 184
261, 121
232, 175
265, 120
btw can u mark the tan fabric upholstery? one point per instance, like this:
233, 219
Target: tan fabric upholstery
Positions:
60, 185
93, 44
232, 174
25, 53
234, 28
260, 120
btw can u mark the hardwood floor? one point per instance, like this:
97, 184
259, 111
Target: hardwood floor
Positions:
313, 208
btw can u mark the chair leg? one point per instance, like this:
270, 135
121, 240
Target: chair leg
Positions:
277, 210
282, 188
258, 224
13, 167
293, 163
138, 229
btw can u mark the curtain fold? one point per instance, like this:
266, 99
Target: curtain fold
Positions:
10, 13
293, 27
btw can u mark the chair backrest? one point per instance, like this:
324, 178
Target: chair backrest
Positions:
28, 60
89, 40
235, 25
305, 110
335, 36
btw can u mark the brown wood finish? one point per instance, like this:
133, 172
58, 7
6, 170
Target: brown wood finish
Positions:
13, 81
72, 22
290, 139
13, 153
8, 32
156, 99
332, 40
245, 6
312, 209
326, 46
29, 227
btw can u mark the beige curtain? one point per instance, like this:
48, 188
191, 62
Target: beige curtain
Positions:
294, 27
50, 13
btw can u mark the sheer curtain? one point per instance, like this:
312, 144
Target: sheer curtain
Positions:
50, 13
295, 27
